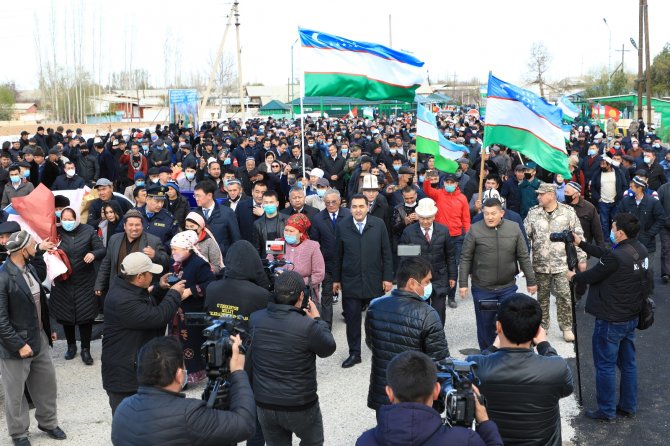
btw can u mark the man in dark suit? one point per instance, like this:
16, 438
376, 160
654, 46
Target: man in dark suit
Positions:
250, 210
379, 207
296, 197
323, 231
363, 269
333, 166
220, 219
132, 239
436, 247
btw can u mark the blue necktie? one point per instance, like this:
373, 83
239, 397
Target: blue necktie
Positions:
334, 220
360, 227
206, 213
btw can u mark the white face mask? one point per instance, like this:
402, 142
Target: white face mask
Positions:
70, 173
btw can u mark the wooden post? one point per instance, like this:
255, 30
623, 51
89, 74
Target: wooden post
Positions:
639, 59
481, 171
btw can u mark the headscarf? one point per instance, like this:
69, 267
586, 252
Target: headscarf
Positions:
200, 221
187, 240
301, 223
77, 217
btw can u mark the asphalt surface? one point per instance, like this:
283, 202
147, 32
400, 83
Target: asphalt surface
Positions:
650, 426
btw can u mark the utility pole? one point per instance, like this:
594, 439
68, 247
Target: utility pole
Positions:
239, 59
639, 59
646, 52
609, 59
622, 51
215, 67
390, 33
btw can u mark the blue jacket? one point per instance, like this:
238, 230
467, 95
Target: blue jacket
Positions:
156, 416
413, 424
224, 227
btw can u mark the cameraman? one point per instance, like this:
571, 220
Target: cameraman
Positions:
523, 387
412, 388
160, 414
615, 299
284, 346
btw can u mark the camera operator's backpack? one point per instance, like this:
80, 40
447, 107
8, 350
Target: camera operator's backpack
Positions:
647, 281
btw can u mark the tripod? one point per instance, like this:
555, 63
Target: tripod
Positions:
571, 252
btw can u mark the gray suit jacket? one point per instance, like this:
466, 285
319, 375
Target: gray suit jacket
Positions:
108, 266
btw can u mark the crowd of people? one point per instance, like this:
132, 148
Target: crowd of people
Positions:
178, 220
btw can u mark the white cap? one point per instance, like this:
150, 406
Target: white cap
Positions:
316, 172
426, 208
370, 182
139, 262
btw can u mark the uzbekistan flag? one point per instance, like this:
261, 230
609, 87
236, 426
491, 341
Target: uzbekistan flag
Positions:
335, 66
570, 110
431, 141
525, 122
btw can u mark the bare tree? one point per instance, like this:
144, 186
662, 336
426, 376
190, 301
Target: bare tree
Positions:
538, 64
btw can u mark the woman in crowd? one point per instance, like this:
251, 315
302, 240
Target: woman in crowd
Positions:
304, 253
189, 265
73, 302
206, 244
110, 219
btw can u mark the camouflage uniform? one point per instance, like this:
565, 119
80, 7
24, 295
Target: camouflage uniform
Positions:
550, 261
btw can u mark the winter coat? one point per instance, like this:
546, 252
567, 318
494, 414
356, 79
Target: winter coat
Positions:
364, 260
160, 158
223, 225
620, 185
210, 250
50, 172
527, 195
651, 215
132, 319
398, 323
439, 252
284, 346
415, 424
452, 209
62, 182
323, 232
334, 167
73, 300
108, 166
126, 160
18, 315
157, 416
9, 192
261, 226
179, 208
308, 262
198, 275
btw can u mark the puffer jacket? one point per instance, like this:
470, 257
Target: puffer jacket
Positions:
522, 389
491, 255
73, 300
394, 324
285, 344
651, 215
156, 416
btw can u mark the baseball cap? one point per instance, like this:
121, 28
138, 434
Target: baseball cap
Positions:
103, 182
139, 262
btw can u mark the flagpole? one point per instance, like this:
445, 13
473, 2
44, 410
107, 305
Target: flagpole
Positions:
302, 116
481, 172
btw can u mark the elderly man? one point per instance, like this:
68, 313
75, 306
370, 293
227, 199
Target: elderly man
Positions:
496, 246
296, 197
437, 249
25, 341
550, 258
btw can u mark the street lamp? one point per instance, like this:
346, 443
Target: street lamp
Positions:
292, 78
609, 58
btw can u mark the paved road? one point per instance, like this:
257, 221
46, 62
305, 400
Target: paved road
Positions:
85, 415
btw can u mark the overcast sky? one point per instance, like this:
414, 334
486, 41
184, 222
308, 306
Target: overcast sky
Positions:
468, 38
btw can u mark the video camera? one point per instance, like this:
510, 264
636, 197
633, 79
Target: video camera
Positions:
563, 236
217, 351
457, 397
276, 248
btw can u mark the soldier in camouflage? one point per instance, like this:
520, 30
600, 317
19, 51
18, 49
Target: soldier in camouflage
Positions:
549, 258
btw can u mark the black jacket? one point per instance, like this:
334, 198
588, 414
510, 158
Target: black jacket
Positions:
132, 319
651, 215
73, 301
49, 173
620, 184
656, 175
364, 261
522, 389
18, 315
261, 226
244, 288
157, 416
616, 290
96, 207
334, 167
179, 209
398, 323
439, 252
284, 346
246, 218
223, 224
323, 231
308, 210
62, 182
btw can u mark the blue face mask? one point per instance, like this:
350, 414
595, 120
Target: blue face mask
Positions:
413, 159
612, 238
226, 162
472, 140
269, 209
592, 152
321, 192
15, 178
344, 152
396, 167
291, 239
299, 184
26, 174
421, 178
145, 148
159, 148
189, 175
139, 183
427, 291
58, 214
68, 225
450, 187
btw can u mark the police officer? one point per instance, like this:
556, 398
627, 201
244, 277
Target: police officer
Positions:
157, 220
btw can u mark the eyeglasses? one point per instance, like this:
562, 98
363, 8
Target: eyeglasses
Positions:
328, 203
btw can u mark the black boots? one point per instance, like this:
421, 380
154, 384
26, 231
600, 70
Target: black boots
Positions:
71, 351
86, 356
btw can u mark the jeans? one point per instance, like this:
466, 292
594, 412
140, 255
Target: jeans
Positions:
486, 320
613, 345
279, 426
457, 244
606, 212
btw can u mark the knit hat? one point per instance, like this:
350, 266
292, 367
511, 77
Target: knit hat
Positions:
18, 241
301, 223
139, 176
640, 182
575, 185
